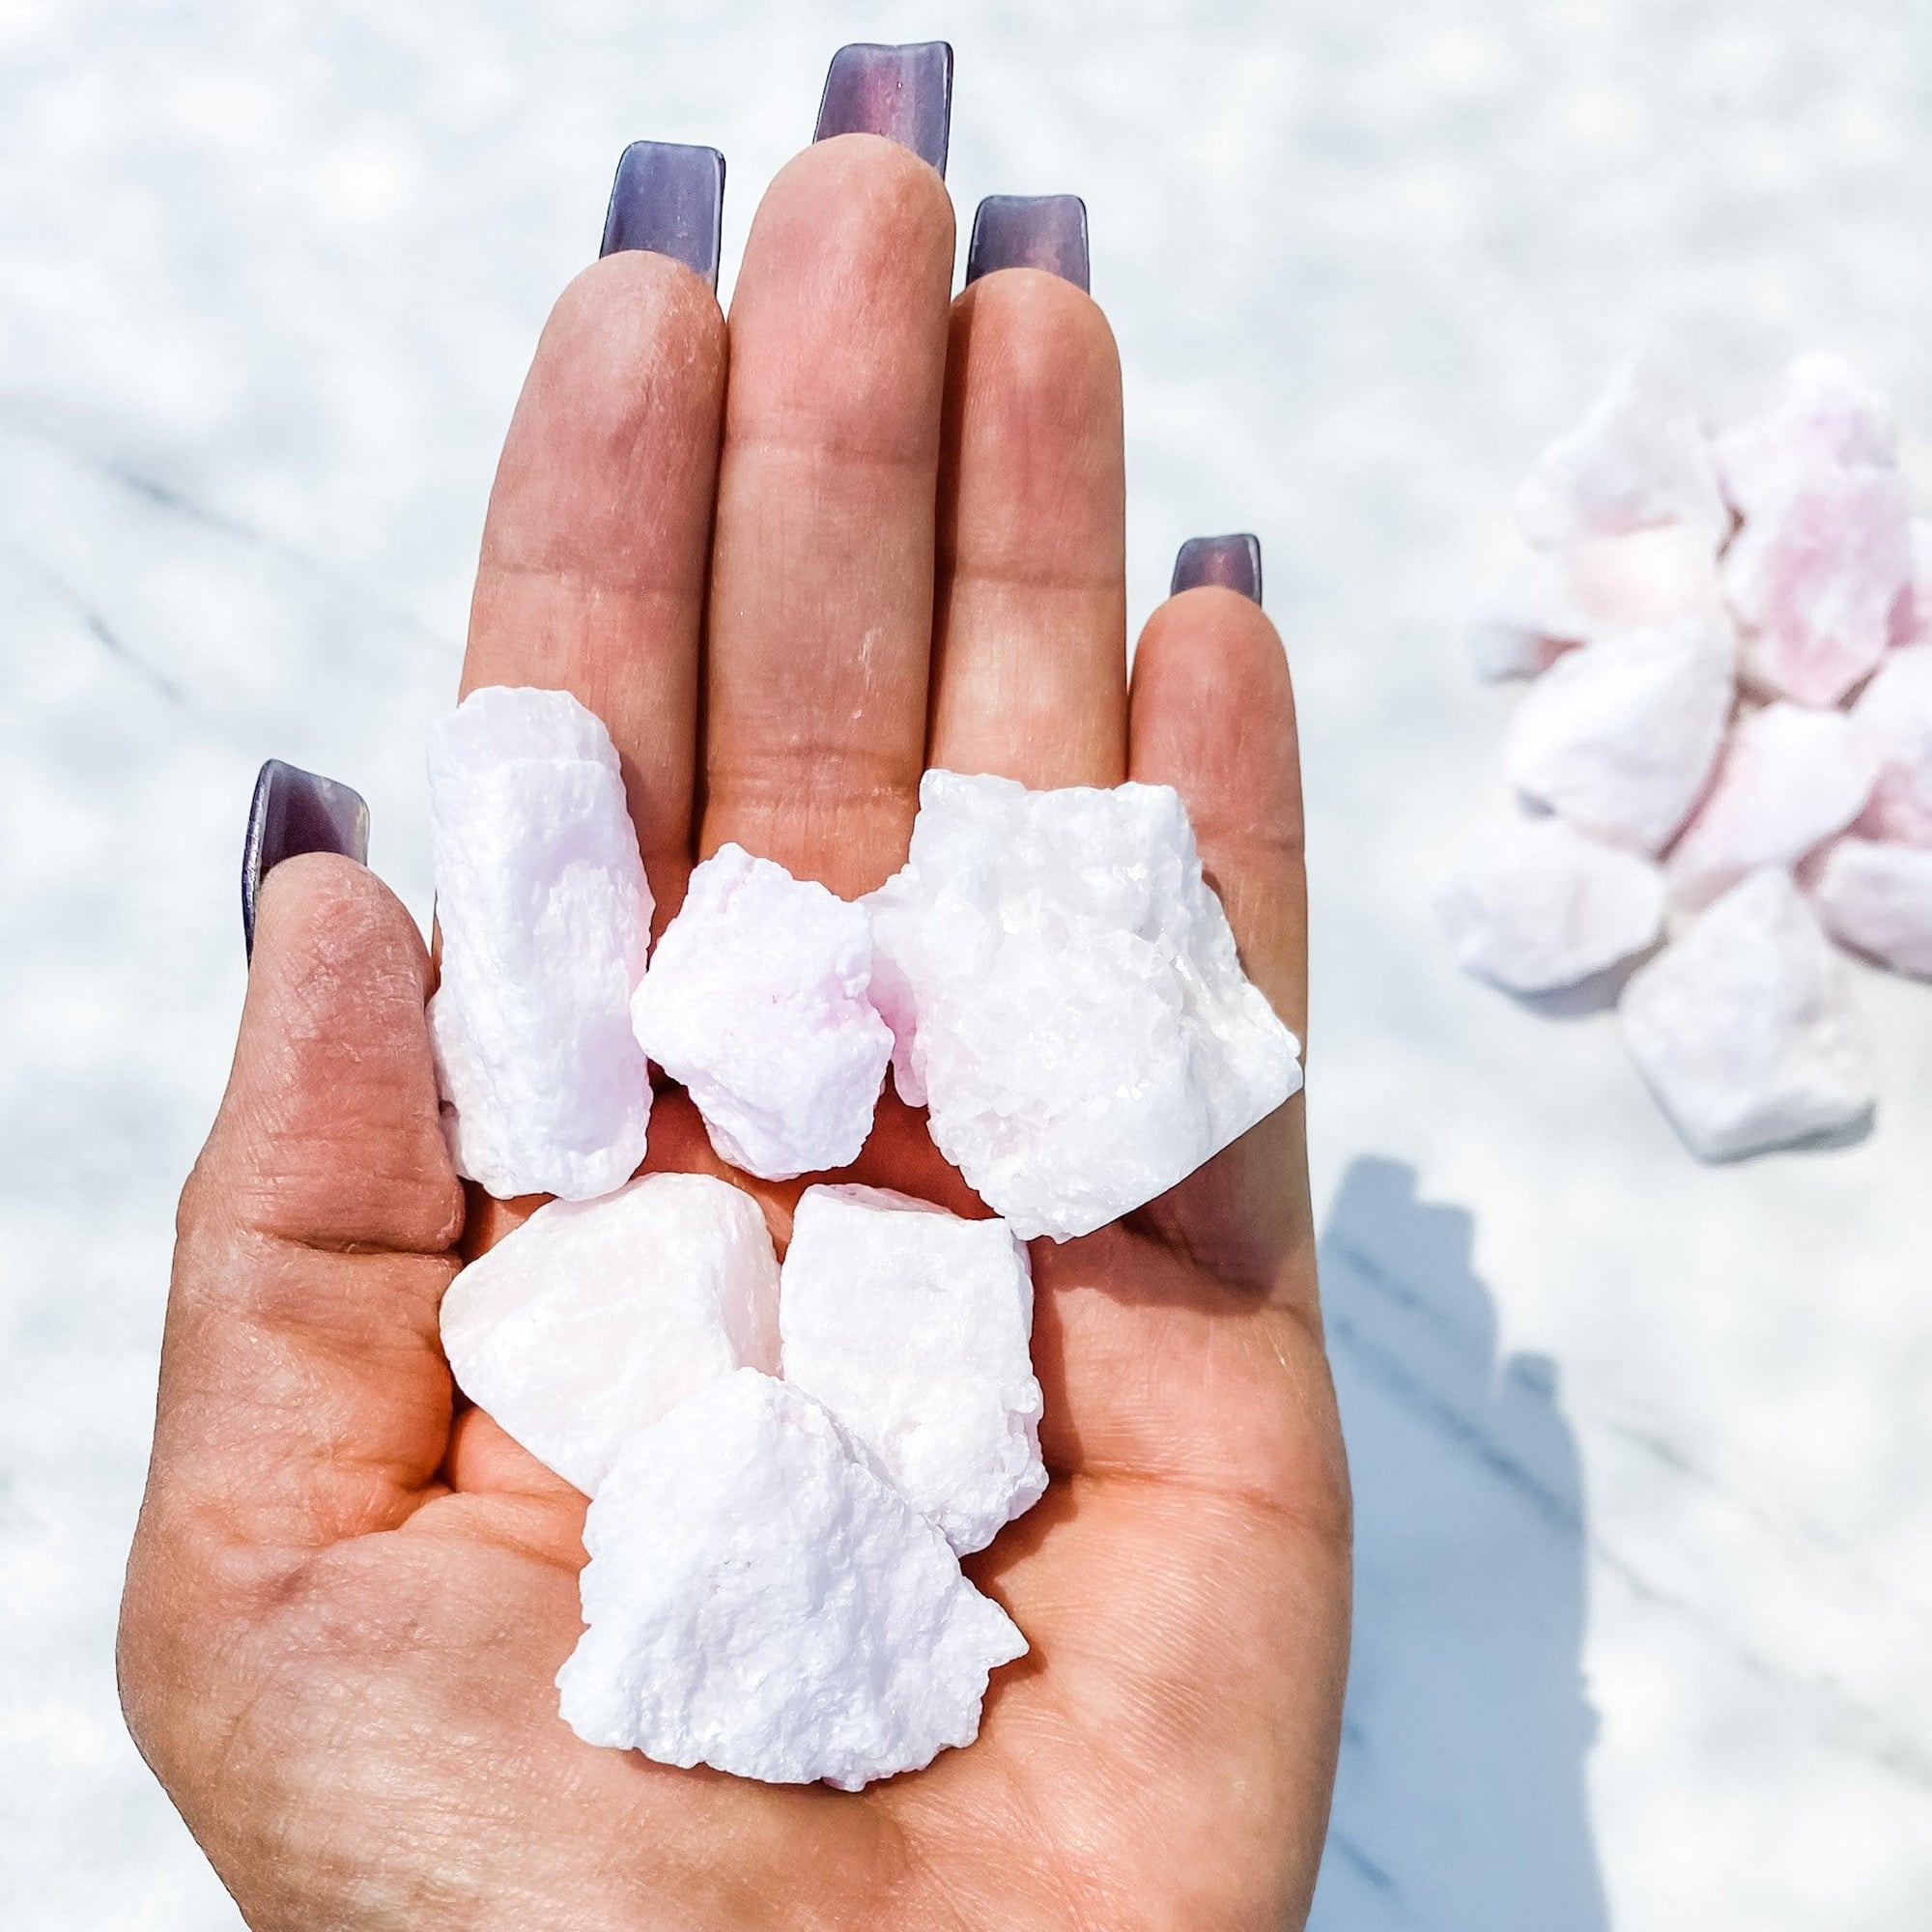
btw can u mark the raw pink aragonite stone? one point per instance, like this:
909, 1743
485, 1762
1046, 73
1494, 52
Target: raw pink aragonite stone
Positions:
1619, 737
1638, 458
1911, 615
757, 1000
1878, 901
592, 1319
1813, 580
1788, 780
1068, 999
1826, 416
1550, 600
760, 1598
1536, 905
545, 920
1895, 714
914, 1327
1745, 1027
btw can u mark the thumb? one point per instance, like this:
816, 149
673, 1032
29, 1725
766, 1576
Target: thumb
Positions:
303, 1392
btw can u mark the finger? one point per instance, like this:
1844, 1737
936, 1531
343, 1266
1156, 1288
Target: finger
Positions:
1212, 714
1030, 673
821, 586
303, 1394
592, 573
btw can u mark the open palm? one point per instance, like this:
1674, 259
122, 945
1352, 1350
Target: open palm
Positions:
791, 562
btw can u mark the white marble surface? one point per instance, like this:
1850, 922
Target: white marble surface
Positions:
1641, 1448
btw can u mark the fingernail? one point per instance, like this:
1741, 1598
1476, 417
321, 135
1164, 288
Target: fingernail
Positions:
1029, 231
903, 92
668, 200
1234, 561
297, 812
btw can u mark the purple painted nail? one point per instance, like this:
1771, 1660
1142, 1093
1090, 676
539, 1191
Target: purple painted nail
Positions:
1235, 561
1029, 231
903, 92
668, 200
295, 812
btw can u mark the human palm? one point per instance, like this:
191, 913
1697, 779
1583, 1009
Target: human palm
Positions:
791, 562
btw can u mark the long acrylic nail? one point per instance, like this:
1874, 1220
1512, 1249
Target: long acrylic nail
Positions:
1029, 231
1233, 561
297, 812
903, 92
668, 199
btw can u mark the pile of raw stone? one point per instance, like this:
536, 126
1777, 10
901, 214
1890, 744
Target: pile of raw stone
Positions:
786, 1463
1725, 746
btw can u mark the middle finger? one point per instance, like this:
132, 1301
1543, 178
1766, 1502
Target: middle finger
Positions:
820, 619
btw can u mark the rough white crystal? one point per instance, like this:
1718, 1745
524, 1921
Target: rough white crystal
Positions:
545, 920
1788, 780
1911, 615
1877, 899
761, 1600
593, 1319
1895, 714
1745, 1027
1826, 416
1619, 737
1638, 458
1536, 905
1549, 600
914, 1327
1067, 1000
1814, 579
757, 1000
1522, 623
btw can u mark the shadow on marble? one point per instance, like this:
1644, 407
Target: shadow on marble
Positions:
1459, 1805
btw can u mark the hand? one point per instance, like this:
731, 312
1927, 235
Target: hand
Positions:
349, 1594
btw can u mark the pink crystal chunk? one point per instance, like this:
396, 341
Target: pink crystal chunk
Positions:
1788, 780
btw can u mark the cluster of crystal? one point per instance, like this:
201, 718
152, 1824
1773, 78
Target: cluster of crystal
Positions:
1067, 1000
593, 1319
757, 1000
1745, 1027
914, 1327
545, 916
1536, 905
1731, 645
760, 1598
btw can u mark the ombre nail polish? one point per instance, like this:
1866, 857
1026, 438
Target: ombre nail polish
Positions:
1029, 231
904, 92
1233, 561
668, 199
295, 811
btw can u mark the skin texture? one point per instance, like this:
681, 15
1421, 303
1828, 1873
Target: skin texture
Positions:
892, 537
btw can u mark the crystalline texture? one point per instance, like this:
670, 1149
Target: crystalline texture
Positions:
914, 1327
1814, 579
1619, 737
593, 1319
1637, 460
1895, 714
757, 1000
1536, 905
761, 1600
1744, 1029
1066, 998
1877, 899
1788, 779
546, 920
1827, 416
